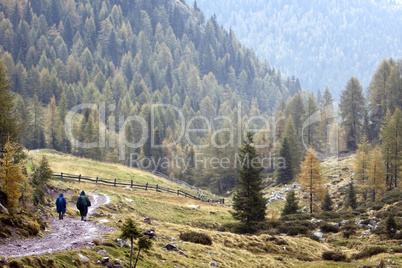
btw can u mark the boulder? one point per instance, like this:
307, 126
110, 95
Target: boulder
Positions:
183, 253
109, 264
105, 259
214, 264
83, 258
102, 252
318, 234
147, 220
149, 233
194, 206
171, 246
123, 243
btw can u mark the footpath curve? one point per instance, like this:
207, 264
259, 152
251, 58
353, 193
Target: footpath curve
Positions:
67, 234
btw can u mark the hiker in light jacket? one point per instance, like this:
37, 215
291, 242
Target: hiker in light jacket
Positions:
61, 205
82, 204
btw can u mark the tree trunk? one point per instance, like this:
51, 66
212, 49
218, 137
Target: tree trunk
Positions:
131, 252
138, 255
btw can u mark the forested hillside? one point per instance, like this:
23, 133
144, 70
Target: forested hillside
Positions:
321, 42
129, 55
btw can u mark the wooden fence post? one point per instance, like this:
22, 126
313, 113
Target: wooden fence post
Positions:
146, 187
178, 192
61, 175
96, 180
131, 184
114, 182
157, 187
79, 178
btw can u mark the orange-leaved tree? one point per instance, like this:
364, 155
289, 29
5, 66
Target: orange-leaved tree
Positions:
311, 179
10, 176
376, 180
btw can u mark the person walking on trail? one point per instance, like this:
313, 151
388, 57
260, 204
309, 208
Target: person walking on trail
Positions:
82, 204
61, 205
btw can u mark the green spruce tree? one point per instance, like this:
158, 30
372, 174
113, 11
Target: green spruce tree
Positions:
249, 204
351, 199
352, 111
284, 174
326, 204
291, 205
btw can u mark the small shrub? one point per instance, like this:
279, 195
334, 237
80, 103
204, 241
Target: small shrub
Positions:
295, 217
368, 252
33, 227
333, 256
195, 237
392, 196
328, 215
329, 228
313, 237
16, 264
293, 229
377, 206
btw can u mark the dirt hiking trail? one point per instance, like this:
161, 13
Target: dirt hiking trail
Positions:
67, 234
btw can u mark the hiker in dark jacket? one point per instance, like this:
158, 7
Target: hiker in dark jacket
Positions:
82, 204
61, 205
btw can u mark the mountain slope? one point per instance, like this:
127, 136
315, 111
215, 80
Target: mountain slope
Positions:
123, 57
322, 43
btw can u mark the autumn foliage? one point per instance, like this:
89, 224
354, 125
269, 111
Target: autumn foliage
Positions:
311, 179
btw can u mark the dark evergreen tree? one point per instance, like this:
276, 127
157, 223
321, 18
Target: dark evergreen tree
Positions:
291, 205
326, 204
8, 125
284, 174
352, 111
351, 199
248, 202
391, 226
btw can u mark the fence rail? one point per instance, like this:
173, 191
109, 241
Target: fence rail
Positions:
132, 184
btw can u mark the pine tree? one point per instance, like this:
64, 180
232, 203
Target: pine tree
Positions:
376, 182
294, 144
291, 205
391, 226
351, 199
144, 243
8, 125
53, 126
129, 231
326, 204
311, 179
352, 111
248, 202
285, 173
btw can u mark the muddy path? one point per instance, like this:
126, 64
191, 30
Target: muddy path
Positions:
67, 234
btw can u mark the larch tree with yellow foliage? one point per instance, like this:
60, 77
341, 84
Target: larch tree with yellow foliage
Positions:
311, 179
376, 180
10, 176
361, 163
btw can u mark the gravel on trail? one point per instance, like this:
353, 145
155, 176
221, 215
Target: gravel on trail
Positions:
67, 234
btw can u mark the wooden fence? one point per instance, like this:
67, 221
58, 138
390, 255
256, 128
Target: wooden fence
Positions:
131, 184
